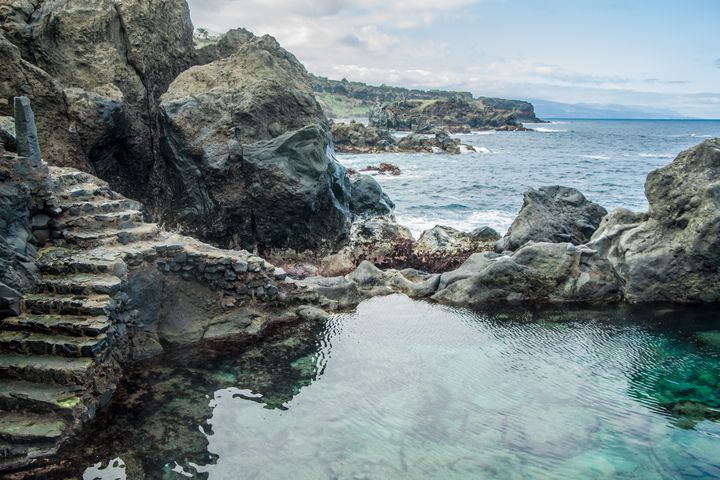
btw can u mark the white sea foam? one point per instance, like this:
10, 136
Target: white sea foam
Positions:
484, 132
496, 219
595, 157
465, 149
483, 150
656, 155
549, 130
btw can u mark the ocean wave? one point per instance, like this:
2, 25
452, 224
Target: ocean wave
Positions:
484, 150
549, 130
483, 132
452, 206
499, 220
656, 155
595, 157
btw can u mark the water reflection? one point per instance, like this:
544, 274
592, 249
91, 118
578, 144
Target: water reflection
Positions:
405, 389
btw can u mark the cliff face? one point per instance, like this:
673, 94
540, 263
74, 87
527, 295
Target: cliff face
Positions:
94, 71
114, 95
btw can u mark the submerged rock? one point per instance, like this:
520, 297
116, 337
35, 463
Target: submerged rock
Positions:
553, 214
672, 253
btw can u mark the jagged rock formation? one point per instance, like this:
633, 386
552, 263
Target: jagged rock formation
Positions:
553, 214
94, 71
672, 253
357, 138
453, 115
244, 168
444, 248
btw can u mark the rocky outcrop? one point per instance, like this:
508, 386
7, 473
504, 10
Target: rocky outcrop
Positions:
248, 160
444, 248
226, 45
357, 138
538, 272
94, 71
379, 240
672, 253
26, 203
553, 214
454, 114
367, 198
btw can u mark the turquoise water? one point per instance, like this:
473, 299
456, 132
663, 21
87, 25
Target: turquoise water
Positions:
402, 389
607, 160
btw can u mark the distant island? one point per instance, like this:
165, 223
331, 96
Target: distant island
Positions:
548, 109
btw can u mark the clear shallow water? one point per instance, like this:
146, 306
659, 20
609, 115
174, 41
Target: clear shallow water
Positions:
607, 160
402, 389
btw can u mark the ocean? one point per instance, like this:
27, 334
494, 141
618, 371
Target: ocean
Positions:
607, 160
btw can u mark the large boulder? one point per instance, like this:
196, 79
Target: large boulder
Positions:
553, 214
538, 272
444, 248
248, 159
288, 192
380, 240
672, 253
94, 70
367, 197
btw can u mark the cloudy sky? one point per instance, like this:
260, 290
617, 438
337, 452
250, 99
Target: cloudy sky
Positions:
657, 53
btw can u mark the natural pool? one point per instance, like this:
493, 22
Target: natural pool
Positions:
402, 389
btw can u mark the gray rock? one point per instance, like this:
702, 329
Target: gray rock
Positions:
444, 248
131, 48
553, 214
7, 134
538, 272
9, 301
672, 253
26, 133
367, 198
486, 233
228, 44
249, 162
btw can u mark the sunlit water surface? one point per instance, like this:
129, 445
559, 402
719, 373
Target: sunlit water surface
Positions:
402, 389
607, 160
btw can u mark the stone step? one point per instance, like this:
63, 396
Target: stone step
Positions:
89, 238
99, 221
52, 303
24, 428
64, 177
80, 263
80, 284
44, 344
45, 368
77, 326
86, 192
78, 207
39, 397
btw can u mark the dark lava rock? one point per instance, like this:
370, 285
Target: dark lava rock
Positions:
553, 214
367, 197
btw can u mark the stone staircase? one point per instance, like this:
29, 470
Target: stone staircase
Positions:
61, 359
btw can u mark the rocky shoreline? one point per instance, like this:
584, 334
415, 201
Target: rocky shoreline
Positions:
186, 195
